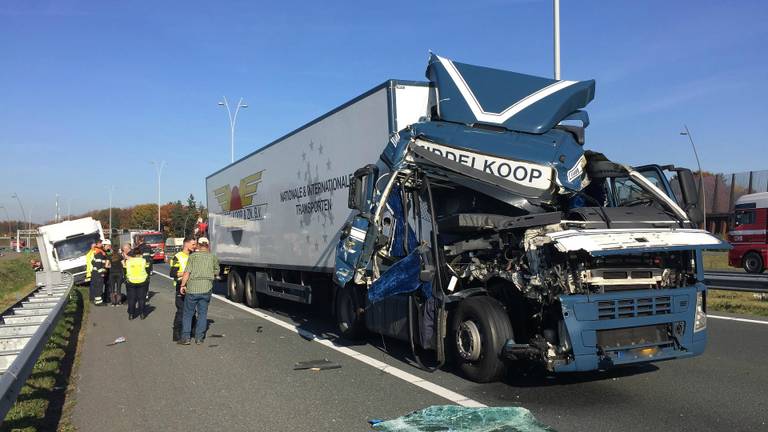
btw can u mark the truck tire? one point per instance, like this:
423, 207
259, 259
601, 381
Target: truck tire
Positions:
235, 286
480, 328
753, 263
349, 318
252, 296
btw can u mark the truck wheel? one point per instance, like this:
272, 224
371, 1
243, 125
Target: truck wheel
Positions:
753, 263
349, 318
252, 296
235, 286
480, 327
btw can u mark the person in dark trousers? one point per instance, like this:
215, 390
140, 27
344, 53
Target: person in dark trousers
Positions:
136, 284
98, 270
107, 247
178, 264
197, 285
117, 275
146, 253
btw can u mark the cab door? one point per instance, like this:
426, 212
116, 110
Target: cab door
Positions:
358, 235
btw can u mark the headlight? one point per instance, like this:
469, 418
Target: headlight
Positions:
701, 314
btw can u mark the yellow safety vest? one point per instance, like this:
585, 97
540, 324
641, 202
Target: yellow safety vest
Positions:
136, 270
181, 262
88, 265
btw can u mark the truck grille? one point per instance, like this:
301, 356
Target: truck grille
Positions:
632, 308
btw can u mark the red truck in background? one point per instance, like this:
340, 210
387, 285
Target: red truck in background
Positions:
747, 234
153, 238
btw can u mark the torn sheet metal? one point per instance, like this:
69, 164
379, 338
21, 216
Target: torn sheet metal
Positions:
611, 241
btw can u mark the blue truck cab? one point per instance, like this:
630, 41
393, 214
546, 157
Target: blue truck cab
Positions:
488, 235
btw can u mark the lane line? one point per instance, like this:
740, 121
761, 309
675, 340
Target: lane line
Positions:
431, 387
737, 319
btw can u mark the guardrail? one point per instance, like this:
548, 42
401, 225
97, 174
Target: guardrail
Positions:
24, 331
735, 281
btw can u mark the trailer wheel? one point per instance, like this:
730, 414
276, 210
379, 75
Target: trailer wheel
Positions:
349, 316
252, 297
480, 327
753, 263
235, 286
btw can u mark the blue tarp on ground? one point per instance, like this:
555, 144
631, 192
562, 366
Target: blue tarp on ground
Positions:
452, 418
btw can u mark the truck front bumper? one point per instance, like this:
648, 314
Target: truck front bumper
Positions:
629, 327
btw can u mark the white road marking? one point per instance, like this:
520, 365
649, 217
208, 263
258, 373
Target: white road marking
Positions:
433, 388
737, 319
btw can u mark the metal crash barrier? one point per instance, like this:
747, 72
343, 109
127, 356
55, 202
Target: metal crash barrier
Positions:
26, 326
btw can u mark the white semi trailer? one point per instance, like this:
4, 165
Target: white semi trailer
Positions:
69, 242
276, 213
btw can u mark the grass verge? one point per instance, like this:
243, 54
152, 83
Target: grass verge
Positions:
717, 261
736, 302
41, 405
16, 279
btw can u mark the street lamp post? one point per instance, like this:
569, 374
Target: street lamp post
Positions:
556, 13
111, 189
8, 218
159, 171
23, 214
701, 174
232, 122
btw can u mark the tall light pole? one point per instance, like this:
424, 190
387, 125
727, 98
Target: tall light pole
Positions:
8, 218
556, 10
111, 189
69, 209
159, 171
57, 209
701, 174
232, 122
24, 216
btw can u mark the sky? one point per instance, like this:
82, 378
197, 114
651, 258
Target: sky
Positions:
91, 92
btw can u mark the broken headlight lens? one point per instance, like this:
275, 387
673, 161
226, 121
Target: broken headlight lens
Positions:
701, 314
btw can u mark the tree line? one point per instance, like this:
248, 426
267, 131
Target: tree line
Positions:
176, 218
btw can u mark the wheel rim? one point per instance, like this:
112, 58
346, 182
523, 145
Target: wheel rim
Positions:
248, 290
750, 262
468, 341
232, 286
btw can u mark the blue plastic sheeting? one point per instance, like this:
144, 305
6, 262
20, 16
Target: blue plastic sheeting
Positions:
402, 277
452, 418
398, 249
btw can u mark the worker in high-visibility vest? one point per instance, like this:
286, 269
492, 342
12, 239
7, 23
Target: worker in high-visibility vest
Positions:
135, 284
97, 273
89, 264
178, 264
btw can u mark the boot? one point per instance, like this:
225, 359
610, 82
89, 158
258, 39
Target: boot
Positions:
176, 334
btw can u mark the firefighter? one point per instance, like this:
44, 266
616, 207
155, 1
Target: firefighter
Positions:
98, 271
136, 277
89, 264
107, 248
178, 264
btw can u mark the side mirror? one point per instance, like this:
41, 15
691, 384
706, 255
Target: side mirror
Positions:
690, 195
361, 188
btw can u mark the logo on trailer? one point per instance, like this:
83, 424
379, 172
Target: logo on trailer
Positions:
237, 201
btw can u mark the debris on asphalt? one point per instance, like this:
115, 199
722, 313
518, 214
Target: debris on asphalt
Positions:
213, 346
119, 340
258, 329
316, 365
306, 334
458, 418
218, 335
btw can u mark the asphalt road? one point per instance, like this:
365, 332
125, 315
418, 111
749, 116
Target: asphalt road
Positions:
245, 380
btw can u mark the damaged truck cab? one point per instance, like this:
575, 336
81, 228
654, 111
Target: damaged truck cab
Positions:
488, 235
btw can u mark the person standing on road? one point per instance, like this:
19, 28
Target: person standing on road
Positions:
98, 270
136, 284
117, 274
178, 264
146, 253
89, 264
197, 285
107, 247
